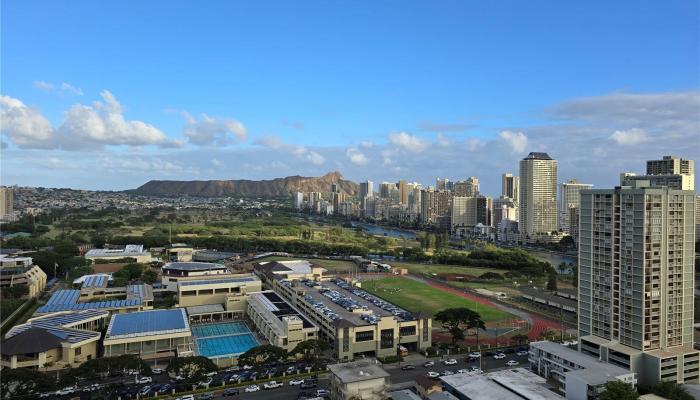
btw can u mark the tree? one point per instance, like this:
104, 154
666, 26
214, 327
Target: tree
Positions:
552, 281
491, 276
310, 350
457, 320
520, 338
671, 390
149, 276
618, 390
15, 292
261, 355
100, 367
22, 381
567, 242
191, 368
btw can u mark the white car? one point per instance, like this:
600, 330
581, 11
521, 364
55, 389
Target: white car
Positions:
512, 363
499, 356
211, 374
186, 397
234, 378
433, 374
522, 353
144, 379
206, 382
235, 368
66, 390
157, 371
429, 364
91, 388
476, 370
447, 373
247, 367
272, 385
450, 361
252, 388
323, 393
462, 371
474, 355
296, 382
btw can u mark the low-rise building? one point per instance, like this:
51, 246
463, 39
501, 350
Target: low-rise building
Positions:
134, 251
293, 269
363, 379
509, 384
96, 296
174, 272
579, 376
54, 341
154, 335
281, 324
20, 271
231, 290
179, 252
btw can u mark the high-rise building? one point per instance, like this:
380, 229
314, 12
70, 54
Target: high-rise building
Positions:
6, 202
504, 208
672, 165
697, 216
538, 197
403, 191
298, 199
429, 206
569, 203
510, 186
467, 188
385, 189
441, 184
467, 212
366, 189
636, 280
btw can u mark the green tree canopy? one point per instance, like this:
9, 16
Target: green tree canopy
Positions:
22, 381
671, 390
310, 350
261, 355
191, 368
457, 320
618, 390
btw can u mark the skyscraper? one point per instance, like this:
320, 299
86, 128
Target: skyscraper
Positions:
569, 204
636, 280
6, 202
538, 197
467, 188
441, 184
298, 199
510, 186
403, 191
385, 189
504, 208
366, 189
429, 206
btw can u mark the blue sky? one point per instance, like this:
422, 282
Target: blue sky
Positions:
378, 90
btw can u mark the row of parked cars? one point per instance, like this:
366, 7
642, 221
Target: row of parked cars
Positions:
385, 305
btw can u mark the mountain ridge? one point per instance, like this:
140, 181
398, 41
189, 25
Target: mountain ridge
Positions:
246, 187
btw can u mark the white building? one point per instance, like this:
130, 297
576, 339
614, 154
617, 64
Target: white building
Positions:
538, 197
364, 379
298, 199
134, 251
510, 186
509, 384
569, 204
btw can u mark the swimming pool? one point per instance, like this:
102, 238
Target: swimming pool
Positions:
224, 339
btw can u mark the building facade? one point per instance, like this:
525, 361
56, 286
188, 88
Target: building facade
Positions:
510, 186
672, 165
363, 379
569, 204
20, 271
538, 197
280, 323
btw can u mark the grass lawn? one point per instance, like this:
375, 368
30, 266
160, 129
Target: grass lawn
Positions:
416, 268
417, 296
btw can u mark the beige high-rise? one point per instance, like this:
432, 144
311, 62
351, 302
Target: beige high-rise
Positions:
672, 165
6, 202
569, 204
510, 186
538, 197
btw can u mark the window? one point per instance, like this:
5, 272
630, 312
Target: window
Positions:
78, 351
364, 336
189, 293
206, 291
346, 339
407, 331
221, 290
387, 339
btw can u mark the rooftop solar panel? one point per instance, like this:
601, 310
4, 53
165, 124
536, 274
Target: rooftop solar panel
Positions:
148, 322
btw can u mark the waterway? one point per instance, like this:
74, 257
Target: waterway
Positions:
553, 258
385, 231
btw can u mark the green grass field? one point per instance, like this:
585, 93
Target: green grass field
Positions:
417, 268
417, 296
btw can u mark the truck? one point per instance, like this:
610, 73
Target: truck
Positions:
272, 385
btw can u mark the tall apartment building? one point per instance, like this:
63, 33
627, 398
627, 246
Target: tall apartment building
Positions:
510, 186
429, 206
569, 204
6, 202
672, 165
298, 199
504, 208
385, 189
538, 197
467, 212
636, 280
403, 191
366, 189
467, 188
442, 184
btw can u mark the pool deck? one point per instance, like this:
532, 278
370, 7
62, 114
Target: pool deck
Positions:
234, 334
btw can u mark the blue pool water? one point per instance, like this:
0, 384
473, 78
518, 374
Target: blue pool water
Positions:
223, 339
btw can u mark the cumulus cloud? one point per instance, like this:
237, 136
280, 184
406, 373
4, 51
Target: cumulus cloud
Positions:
443, 127
356, 157
409, 142
630, 137
517, 141
442, 140
301, 152
207, 131
24, 126
63, 88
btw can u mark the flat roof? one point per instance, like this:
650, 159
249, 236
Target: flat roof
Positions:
592, 368
67, 300
205, 309
509, 384
357, 371
404, 394
286, 267
219, 281
279, 307
93, 281
193, 266
148, 323
128, 250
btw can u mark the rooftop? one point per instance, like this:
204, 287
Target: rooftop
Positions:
128, 250
291, 267
67, 300
405, 394
242, 279
357, 371
538, 156
591, 369
93, 281
278, 308
205, 309
193, 266
62, 325
148, 323
509, 384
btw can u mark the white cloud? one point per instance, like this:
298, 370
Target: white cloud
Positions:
442, 140
24, 126
62, 89
207, 131
630, 137
270, 141
215, 162
408, 142
517, 141
356, 157
276, 143
315, 158
366, 144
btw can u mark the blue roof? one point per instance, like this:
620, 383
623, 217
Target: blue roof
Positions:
67, 300
61, 325
148, 322
214, 281
95, 281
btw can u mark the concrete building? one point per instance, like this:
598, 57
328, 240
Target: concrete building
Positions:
366, 190
298, 200
134, 251
290, 269
441, 184
468, 212
20, 271
96, 295
510, 186
672, 165
363, 379
504, 208
429, 206
179, 252
155, 336
173, 272
55, 341
355, 322
403, 191
636, 280
230, 290
509, 384
7, 209
467, 188
280, 323
538, 197
569, 204
578, 376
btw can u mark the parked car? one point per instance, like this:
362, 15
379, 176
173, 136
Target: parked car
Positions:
166, 388
144, 379
429, 364
433, 375
91, 388
231, 392
235, 368
522, 353
252, 388
272, 385
186, 397
211, 374
512, 363
296, 382
144, 390
157, 371
206, 382
323, 393
474, 355
408, 367
291, 370
247, 367
66, 390
447, 373
206, 396
499, 356
308, 384
450, 361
